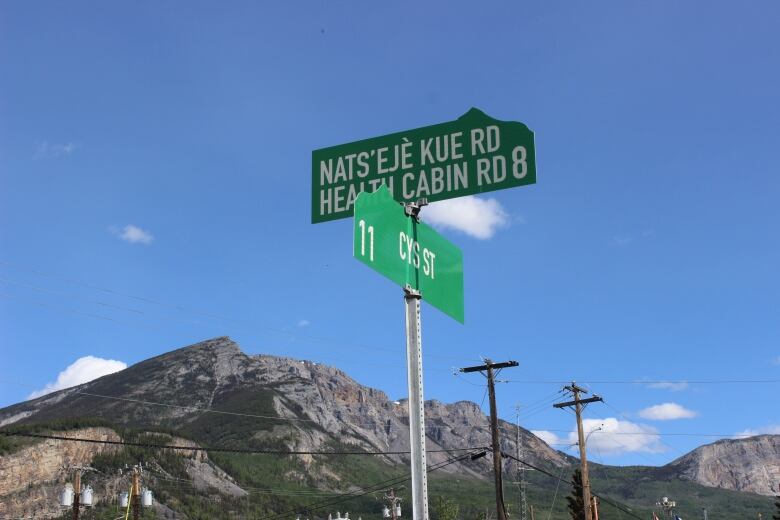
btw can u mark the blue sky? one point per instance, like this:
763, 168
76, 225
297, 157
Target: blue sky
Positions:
155, 191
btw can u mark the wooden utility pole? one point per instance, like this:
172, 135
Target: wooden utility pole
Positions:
393, 501
492, 370
578, 407
76, 494
136, 495
595, 508
531, 510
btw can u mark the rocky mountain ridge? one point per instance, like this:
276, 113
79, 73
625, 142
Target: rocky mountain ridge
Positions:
751, 464
215, 395
302, 404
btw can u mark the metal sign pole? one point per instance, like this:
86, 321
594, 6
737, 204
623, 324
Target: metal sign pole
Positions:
416, 405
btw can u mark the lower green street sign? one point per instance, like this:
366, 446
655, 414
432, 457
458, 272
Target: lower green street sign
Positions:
408, 252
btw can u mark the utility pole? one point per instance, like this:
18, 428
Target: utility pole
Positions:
492, 370
76, 494
532, 513
136, 495
394, 504
578, 407
595, 508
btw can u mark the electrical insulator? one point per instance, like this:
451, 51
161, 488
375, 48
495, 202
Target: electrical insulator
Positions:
338, 515
386, 512
66, 496
146, 497
124, 498
398, 511
346, 516
86, 497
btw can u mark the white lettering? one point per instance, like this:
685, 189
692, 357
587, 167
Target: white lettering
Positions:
381, 160
326, 172
437, 180
493, 138
325, 201
425, 151
408, 195
477, 136
519, 165
362, 160
422, 185
483, 170
456, 145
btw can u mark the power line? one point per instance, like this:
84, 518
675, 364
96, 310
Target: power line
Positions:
687, 434
559, 478
195, 408
219, 450
369, 489
646, 382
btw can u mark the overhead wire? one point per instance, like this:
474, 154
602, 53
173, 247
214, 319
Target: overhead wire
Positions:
249, 451
645, 381
366, 490
541, 470
194, 408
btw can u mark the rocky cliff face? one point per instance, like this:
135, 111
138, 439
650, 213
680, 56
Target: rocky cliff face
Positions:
31, 478
751, 464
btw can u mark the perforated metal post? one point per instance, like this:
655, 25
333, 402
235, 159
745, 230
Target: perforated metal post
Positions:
416, 405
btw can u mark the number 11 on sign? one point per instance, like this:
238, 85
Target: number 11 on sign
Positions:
363, 229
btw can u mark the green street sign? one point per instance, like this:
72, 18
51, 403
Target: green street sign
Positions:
473, 154
408, 252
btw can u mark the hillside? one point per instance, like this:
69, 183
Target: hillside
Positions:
751, 464
285, 404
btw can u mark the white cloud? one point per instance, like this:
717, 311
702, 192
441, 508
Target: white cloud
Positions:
304, 323
610, 436
666, 412
46, 149
614, 437
622, 240
477, 217
547, 436
771, 429
674, 386
82, 371
135, 235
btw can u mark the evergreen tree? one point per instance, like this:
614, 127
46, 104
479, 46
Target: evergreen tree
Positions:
444, 508
576, 504
776, 516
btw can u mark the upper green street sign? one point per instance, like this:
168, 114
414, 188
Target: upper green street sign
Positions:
473, 154
408, 252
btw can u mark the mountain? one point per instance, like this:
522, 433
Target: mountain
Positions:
751, 464
304, 405
275, 403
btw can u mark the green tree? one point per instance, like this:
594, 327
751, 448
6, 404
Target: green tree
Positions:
444, 508
777, 505
576, 504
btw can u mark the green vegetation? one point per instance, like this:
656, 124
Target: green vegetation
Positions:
776, 516
444, 508
314, 486
574, 501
